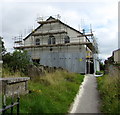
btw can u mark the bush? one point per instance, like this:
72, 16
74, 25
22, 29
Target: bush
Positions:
17, 61
99, 72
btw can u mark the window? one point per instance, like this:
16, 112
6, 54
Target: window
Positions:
67, 39
51, 40
37, 42
36, 61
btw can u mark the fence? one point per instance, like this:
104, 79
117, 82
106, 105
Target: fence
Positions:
12, 87
5, 108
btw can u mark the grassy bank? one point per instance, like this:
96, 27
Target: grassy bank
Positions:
51, 93
110, 95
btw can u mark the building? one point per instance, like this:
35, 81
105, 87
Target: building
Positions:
56, 44
116, 56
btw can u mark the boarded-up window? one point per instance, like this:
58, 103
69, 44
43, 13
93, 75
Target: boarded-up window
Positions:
51, 40
67, 39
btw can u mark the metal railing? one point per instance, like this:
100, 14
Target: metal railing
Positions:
10, 91
13, 104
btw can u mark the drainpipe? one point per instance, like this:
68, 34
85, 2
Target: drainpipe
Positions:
94, 60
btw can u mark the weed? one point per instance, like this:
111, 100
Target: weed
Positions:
51, 93
109, 91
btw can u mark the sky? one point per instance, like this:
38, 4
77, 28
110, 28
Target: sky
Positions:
20, 17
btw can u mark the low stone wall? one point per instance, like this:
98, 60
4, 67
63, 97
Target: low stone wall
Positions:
36, 71
14, 86
114, 70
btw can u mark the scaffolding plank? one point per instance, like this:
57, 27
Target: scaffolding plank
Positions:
89, 45
48, 33
17, 41
48, 21
85, 35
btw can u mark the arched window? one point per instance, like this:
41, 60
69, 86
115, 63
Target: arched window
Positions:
67, 39
37, 42
51, 40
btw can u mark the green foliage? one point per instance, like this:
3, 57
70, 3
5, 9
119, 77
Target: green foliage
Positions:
2, 47
52, 93
109, 91
17, 61
102, 66
99, 72
7, 72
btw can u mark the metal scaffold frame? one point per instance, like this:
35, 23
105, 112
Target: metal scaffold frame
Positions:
20, 45
61, 32
18, 41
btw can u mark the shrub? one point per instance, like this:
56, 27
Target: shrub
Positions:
99, 72
16, 61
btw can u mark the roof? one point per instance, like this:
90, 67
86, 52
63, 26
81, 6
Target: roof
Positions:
47, 20
116, 50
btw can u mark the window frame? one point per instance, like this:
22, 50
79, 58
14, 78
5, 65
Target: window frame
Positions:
37, 41
51, 40
66, 39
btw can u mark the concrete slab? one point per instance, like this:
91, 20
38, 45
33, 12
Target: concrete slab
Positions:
87, 99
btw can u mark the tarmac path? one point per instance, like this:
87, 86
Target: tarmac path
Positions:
87, 99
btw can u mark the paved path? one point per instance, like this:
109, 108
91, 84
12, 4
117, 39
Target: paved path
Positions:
87, 99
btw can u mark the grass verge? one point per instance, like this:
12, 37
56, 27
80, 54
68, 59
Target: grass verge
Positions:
52, 93
110, 95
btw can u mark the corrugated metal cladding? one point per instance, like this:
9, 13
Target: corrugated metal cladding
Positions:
72, 58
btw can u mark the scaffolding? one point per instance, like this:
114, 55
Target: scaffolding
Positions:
50, 31
54, 28
60, 31
18, 41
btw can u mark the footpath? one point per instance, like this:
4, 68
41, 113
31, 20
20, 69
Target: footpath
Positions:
87, 99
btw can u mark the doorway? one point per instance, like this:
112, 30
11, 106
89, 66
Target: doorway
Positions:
89, 67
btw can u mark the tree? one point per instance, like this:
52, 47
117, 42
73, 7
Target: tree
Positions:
17, 61
102, 66
2, 47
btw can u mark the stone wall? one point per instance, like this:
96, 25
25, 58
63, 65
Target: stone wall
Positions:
40, 70
113, 70
14, 86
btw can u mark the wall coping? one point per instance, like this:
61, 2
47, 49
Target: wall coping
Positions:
14, 80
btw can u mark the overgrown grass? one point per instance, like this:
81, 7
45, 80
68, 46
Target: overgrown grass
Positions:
110, 94
52, 93
7, 73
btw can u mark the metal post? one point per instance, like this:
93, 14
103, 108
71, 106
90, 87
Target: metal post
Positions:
3, 112
4, 101
11, 107
12, 100
18, 100
18, 105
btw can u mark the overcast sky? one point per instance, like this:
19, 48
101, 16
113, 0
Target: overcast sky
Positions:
19, 17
